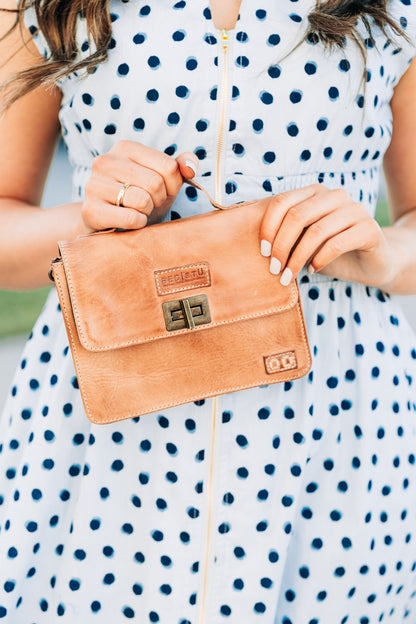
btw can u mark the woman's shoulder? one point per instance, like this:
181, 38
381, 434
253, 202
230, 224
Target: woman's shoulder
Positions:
403, 49
40, 40
405, 7
404, 14
31, 23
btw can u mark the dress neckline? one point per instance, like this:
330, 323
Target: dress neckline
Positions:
223, 23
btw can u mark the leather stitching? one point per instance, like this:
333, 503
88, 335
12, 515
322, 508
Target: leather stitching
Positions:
287, 376
261, 382
91, 346
88, 344
191, 284
73, 346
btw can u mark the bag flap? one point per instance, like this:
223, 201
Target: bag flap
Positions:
119, 281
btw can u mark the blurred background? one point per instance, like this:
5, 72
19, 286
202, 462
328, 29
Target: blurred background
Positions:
18, 311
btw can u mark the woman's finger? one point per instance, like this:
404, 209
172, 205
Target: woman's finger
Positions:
136, 198
188, 164
276, 210
101, 215
160, 163
316, 235
108, 191
127, 172
353, 239
304, 215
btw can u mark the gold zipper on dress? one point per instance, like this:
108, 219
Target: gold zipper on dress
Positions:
218, 182
223, 95
208, 543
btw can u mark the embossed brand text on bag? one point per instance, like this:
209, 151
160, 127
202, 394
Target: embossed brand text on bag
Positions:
181, 278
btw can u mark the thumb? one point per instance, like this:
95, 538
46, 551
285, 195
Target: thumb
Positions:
188, 164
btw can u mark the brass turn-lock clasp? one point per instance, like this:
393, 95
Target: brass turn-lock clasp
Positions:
186, 313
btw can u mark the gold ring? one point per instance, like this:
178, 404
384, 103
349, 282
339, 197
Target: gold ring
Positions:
122, 192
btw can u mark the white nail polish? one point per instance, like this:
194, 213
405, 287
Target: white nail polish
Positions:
265, 248
286, 277
275, 266
310, 269
191, 165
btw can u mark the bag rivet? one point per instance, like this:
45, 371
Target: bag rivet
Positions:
186, 313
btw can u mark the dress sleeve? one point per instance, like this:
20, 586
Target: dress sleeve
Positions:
31, 23
404, 13
84, 46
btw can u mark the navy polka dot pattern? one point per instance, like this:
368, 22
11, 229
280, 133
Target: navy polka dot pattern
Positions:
288, 504
327, 128
312, 498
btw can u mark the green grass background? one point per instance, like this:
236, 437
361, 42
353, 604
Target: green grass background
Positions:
19, 310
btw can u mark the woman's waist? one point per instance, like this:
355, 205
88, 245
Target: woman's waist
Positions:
236, 187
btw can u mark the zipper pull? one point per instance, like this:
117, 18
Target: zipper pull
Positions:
224, 36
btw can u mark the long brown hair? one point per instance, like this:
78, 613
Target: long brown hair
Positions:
332, 22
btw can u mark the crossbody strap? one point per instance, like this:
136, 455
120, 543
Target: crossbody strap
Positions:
187, 181
214, 203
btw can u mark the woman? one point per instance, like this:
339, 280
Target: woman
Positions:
284, 504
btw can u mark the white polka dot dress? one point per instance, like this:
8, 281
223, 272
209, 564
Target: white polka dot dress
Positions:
288, 504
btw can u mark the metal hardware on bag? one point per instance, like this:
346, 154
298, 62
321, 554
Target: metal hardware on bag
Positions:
50, 274
280, 362
186, 313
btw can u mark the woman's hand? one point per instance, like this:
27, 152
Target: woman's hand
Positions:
328, 232
154, 179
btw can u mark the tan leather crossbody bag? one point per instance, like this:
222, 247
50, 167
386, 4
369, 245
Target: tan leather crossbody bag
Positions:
176, 312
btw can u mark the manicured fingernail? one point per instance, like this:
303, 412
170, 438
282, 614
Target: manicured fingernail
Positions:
286, 277
265, 248
310, 269
191, 165
275, 266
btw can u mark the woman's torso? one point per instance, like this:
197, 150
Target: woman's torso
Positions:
262, 115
